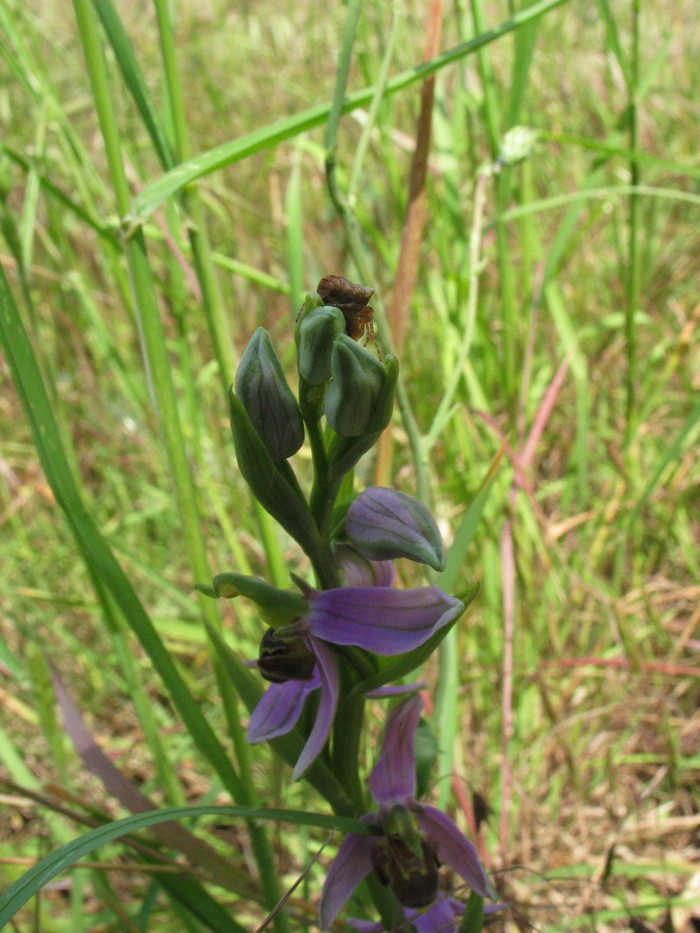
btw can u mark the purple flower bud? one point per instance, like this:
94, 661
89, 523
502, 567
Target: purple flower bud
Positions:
385, 523
262, 388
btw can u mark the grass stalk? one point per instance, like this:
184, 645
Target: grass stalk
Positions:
633, 259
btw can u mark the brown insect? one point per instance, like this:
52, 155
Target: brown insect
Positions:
352, 300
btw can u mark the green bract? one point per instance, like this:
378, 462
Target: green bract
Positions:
277, 607
274, 491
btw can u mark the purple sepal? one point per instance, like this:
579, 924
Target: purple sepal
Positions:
453, 848
351, 865
326, 707
393, 778
279, 708
442, 916
385, 523
396, 689
380, 619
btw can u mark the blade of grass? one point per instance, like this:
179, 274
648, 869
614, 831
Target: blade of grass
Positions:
134, 80
118, 784
446, 695
44, 871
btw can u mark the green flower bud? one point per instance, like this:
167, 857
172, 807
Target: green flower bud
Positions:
344, 452
271, 406
277, 607
358, 379
317, 333
273, 484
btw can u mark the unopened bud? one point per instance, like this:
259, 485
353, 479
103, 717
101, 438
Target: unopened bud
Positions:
262, 388
317, 333
358, 380
385, 523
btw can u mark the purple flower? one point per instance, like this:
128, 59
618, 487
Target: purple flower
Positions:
416, 839
298, 658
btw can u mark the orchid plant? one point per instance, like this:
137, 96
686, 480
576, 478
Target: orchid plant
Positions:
351, 634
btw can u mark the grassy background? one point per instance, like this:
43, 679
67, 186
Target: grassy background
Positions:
577, 668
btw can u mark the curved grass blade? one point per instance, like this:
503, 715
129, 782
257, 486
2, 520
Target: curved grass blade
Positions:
264, 138
134, 80
40, 874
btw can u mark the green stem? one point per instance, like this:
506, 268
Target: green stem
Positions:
633, 276
347, 732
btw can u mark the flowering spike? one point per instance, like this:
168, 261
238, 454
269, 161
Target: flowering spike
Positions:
266, 396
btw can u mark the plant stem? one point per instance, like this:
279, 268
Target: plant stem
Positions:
633, 276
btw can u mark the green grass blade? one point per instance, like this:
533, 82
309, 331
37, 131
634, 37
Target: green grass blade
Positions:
40, 874
134, 80
95, 550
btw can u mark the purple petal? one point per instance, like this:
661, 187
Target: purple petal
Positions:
366, 926
279, 708
396, 689
318, 737
384, 523
440, 917
352, 863
453, 848
393, 778
380, 619
361, 571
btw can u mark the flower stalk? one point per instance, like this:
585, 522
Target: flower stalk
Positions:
328, 645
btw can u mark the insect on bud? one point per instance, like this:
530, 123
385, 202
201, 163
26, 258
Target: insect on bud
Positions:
352, 300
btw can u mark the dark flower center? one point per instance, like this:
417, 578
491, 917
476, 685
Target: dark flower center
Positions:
405, 861
283, 659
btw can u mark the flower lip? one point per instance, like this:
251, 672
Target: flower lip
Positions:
283, 659
405, 861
